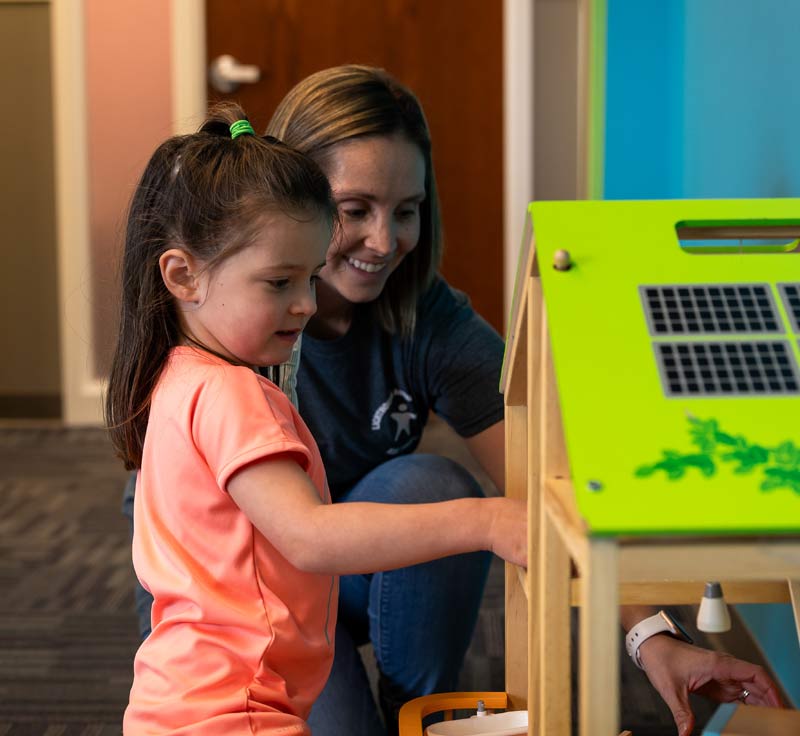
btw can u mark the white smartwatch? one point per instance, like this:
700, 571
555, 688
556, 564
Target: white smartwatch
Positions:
661, 623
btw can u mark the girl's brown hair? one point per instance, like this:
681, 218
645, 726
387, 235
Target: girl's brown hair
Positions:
352, 101
207, 194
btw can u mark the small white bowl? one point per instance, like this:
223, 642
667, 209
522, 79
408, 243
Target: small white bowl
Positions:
510, 723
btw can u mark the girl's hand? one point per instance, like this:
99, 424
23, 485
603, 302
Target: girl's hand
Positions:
508, 530
676, 669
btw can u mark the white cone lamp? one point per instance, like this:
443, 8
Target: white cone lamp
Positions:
713, 616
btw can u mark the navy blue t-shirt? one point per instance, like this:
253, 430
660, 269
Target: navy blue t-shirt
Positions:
366, 395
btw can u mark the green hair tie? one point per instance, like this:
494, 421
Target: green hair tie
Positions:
241, 127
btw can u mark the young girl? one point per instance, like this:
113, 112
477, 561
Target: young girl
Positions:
235, 536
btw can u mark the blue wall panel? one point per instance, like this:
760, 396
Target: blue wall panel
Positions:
644, 100
702, 99
742, 99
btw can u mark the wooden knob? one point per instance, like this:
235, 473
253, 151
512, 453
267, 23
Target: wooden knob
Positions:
561, 260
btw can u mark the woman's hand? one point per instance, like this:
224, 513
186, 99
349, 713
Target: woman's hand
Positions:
508, 529
676, 669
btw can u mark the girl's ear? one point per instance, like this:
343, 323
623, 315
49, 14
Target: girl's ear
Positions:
180, 273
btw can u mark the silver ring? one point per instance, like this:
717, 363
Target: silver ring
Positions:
744, 695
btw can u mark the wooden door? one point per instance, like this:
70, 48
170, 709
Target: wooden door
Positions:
449, 52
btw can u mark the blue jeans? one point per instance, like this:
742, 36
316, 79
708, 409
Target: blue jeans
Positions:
142, 599
420, 619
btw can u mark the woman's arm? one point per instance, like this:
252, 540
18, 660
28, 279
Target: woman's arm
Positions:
488, 448
348, 538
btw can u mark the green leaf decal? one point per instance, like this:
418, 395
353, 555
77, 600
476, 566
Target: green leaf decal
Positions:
780, 465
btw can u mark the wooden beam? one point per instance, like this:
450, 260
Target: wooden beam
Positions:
686, 592
794, 590
599, 642
516, 594
754, 561
555, 672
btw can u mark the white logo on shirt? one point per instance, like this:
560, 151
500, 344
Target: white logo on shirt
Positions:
402, 415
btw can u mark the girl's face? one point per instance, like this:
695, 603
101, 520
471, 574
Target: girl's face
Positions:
378, 184
252, 306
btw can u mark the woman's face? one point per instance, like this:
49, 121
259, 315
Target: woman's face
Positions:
378, 184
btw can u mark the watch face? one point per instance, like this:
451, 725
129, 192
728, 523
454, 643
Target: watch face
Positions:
677, 629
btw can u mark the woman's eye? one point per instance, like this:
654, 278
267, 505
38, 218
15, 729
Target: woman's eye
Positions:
354, 213
407, 213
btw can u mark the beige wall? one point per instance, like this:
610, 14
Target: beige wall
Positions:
29, 318
128, 88
128, 78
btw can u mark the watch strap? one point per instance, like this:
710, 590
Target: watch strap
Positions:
640, 633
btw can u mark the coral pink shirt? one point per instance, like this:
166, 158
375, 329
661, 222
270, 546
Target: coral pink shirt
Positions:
242, 641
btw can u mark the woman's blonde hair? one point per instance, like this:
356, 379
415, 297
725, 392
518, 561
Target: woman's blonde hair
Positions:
352, 101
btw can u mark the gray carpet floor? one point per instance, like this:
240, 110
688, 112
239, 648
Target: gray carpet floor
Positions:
67, 628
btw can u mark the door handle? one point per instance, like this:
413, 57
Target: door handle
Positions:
226, 74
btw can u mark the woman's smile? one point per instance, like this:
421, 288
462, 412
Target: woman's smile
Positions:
365, 266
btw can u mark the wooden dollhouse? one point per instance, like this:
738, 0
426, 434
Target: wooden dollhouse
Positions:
652, 393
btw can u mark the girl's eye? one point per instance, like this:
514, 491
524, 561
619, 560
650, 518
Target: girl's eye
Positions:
278, 283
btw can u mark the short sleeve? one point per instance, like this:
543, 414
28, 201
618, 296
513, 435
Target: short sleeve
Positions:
463, 358
239, 418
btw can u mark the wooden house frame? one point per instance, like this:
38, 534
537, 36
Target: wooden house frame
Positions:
571, 560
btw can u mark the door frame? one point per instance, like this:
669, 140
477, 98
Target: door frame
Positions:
81, 388
518, 134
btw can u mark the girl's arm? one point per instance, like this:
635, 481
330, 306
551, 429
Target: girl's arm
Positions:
349, 538
488, 448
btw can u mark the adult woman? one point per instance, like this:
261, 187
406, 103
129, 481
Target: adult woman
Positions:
407, 344
401, 343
